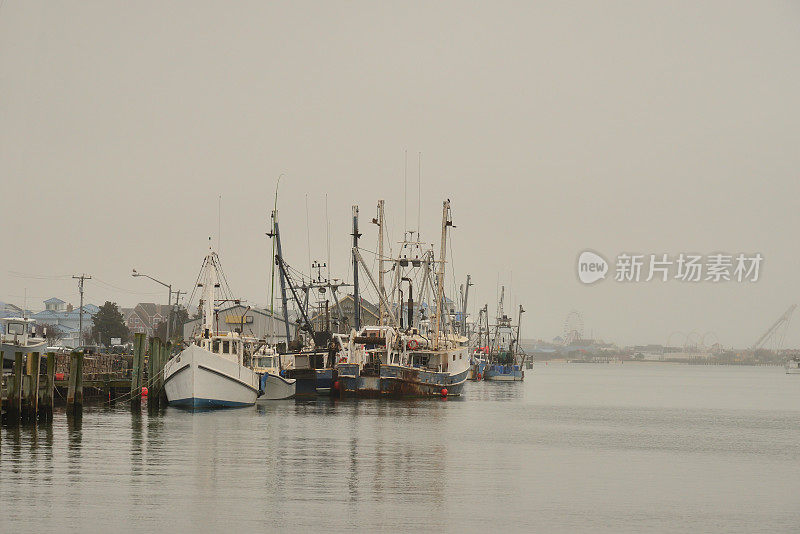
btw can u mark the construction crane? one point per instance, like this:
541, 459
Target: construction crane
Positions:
776, 333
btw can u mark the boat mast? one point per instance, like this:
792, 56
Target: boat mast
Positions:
356, 298
209, 289
271, 234
500, 303
519, 325
464, 306
279, 257
486, 318
440, 273
381, 287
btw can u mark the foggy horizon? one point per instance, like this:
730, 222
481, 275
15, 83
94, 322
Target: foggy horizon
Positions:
553, 129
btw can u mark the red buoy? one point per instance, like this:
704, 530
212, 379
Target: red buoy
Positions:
480, 376
444, 392
144, 391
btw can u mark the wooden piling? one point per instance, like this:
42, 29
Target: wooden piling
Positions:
136, 371
46, 404
15, 391
155, 352
30, 404
75, 389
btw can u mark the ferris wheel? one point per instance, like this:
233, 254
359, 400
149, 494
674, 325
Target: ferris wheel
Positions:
573, 327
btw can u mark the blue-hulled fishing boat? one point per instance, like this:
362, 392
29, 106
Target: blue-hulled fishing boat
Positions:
505, 360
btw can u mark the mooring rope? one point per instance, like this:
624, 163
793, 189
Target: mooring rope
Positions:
129, 396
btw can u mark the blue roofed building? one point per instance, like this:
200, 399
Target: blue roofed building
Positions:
67, 319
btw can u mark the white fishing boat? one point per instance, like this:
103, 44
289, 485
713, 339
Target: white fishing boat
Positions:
792, 366
19, 336
273, 386
210, 373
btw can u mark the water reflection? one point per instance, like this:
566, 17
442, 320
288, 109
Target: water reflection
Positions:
504, 455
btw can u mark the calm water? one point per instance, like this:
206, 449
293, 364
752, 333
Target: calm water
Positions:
578, 447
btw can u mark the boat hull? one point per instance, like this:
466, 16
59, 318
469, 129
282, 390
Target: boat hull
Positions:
275, 387
353, 382
325, 381
504, 373
401, 381
306, 385
197, 378
792, 369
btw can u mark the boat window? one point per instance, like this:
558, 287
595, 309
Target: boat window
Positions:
454, 357
215, 346
225, 347
15, 328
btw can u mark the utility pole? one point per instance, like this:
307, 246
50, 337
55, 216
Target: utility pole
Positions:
80, 278
178, 294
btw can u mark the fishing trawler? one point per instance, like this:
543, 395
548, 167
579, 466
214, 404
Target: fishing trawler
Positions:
505, 365
479, 340
423, 357
19, 336
792, 366
210, 372
310, 357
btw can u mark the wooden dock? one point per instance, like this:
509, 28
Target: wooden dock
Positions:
29, 392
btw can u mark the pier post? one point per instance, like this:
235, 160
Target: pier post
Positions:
75, 389
46, 407
31, 387
15, 391
136, 371
151, 359
152, 366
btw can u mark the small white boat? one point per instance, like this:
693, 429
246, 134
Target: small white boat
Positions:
210, 373
19, 336
793, 366
273, 386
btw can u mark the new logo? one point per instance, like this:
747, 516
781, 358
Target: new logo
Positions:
591, 267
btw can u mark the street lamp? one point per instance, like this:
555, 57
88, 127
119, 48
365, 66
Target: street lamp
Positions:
169, 288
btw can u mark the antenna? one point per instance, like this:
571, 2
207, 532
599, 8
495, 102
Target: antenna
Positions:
308, 238
219, 222
405, 192
328, 235
419, 193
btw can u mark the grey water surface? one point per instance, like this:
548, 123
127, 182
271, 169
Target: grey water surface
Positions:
575, 448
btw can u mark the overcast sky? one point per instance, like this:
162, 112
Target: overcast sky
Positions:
552, 127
